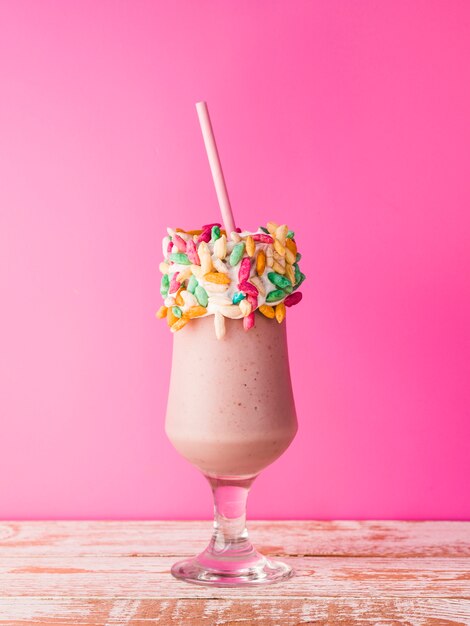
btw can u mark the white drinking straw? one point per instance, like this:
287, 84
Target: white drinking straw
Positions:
216, 167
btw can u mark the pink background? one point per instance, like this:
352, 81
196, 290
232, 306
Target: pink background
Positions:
351, 121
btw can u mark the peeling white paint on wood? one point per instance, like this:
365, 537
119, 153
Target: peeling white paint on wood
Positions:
109, 573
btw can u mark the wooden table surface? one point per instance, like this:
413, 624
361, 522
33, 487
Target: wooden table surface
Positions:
100, 573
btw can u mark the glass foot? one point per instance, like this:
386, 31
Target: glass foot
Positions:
257, 570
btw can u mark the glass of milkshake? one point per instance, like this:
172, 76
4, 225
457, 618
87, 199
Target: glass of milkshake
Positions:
230, 409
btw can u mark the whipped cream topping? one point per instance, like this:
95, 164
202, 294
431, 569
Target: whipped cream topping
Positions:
206, 273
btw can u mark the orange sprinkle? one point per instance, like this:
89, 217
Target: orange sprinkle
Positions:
260, 262
161, 313
267, 311
280, 312
218, 278
196, 311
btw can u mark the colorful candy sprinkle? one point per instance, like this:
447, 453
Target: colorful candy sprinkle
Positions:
280, 281
267, 311
262, 238
180, 243
192, 252
293, 298
165, 285
220, 247
280, 312
250, 246
238, 297
248, 288
237, 253
178, 325
196, 311
260, 262
201, 295
276, 294
180, 257
218, 278
244, 271
161, 313
235, 275
192, 284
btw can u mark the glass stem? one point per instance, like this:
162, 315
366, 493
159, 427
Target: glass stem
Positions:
230, 533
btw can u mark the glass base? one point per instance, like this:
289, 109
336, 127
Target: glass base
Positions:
257, 570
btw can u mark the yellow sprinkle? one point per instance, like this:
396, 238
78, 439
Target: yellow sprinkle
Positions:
279, 247
292, 246
260, 262
195, 311
161, 313
218, 278
250, 246
280, 312
179, 298
178, 325
290, 256
281, 234
220, 265
290, 273
164, 267
271, 227
184, 274
245, 307
197, 271
267, 311
170, 318
258, 283
277, 267
220, 247
205, 257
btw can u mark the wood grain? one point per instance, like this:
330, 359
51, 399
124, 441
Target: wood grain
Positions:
308, 538
100, 573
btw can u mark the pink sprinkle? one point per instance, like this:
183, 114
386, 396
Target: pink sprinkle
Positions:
263, 238
209, 226
249, 321
180, 243
174, 284
191, 251
244, 271
253, 300
169, 247
248, 288
205, 236
293, 298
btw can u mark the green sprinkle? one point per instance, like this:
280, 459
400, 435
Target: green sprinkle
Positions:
290, 234
215, 233
289, 288
201, 295
265, 230
301, 280
238, 296
298, 257
297, 273
192, 284
237, 253
180, 257
165, 285
280, 281
177, 312
277, 294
